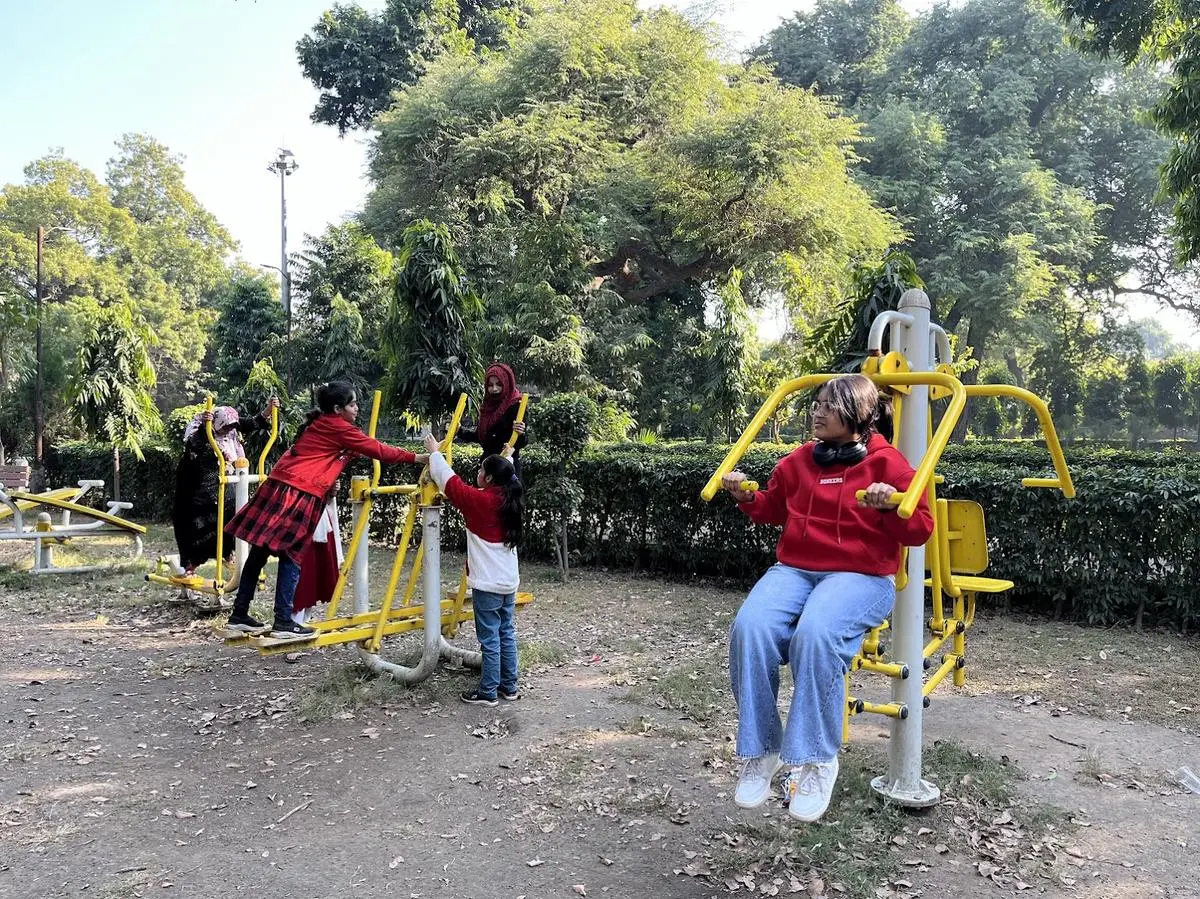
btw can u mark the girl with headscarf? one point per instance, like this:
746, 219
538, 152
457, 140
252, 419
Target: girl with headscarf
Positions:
498, 415
195, 511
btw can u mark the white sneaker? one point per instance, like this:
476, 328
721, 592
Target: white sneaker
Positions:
754, 783
809, 788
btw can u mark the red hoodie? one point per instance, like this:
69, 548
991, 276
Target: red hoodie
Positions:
824, 528
318, 458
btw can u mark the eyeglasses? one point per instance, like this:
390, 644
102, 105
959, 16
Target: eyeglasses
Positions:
819, 405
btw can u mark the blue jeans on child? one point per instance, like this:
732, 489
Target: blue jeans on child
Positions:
815, 621
498, 640
286, 579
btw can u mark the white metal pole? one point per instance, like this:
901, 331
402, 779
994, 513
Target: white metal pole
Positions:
361, 570
431, 588
903, 783
241, 496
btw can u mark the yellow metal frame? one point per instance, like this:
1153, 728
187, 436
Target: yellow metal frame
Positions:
946, 578
370, 628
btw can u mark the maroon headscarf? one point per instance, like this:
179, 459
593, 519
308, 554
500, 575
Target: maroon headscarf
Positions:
493, 407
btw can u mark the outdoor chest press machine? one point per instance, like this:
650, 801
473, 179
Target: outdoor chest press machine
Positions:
951, 564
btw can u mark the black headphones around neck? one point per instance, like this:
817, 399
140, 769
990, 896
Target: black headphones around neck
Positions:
825, 453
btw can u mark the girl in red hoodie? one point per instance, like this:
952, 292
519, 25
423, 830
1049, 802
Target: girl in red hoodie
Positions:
280, 518
493, 512
834, 580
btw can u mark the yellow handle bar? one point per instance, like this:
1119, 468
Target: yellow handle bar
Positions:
937, 445
896, 498
262, 459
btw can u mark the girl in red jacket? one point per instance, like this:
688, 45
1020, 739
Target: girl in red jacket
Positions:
282, 515
834, 580
493, 512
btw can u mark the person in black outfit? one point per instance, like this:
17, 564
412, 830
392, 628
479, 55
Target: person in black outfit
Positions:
194, 514
498, 416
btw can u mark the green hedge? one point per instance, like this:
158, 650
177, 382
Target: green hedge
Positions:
1126, 548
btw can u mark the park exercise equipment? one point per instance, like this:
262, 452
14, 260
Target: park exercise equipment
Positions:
241, 480
916, 372
438, 615
17, 507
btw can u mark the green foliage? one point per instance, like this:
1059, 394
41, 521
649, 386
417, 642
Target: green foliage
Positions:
140, 238
357, 59
606, 166
343, 285
1171, 400
426, 345
1166, 32
1021, 167
250, 318
565, 424
839, 343
148, 483
113, 384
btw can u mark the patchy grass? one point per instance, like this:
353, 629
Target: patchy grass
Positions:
700, 691
536, 653
347, 689
963, 772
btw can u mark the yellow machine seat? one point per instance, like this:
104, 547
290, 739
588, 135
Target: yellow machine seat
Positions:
970, 584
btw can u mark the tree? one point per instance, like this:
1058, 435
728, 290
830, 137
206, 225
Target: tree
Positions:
142, 240
114, 383
344, 262
358, 59
1171, 400
993, 416
606, 165
1139, 400
1020, 166
346, 356
426, 345
1166, 32
250, 325
839, 48
727, 350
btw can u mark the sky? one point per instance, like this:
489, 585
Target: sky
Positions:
217, 81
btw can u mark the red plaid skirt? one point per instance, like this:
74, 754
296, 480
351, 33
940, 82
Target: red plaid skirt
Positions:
278, 517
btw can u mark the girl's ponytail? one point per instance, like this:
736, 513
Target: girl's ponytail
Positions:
512, 509
309, 417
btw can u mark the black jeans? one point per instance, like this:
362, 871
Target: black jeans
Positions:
285, 583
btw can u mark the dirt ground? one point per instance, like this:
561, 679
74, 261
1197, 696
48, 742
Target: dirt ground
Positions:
142, 757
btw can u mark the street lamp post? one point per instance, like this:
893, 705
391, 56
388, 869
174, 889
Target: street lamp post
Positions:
39, 409
39, 402
284, 164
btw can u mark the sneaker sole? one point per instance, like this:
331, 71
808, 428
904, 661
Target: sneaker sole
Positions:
289, 635
246, 629
512, 698
767, 795
488, 702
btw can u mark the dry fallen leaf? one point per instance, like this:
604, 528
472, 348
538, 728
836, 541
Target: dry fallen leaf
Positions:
579, 888
534, 862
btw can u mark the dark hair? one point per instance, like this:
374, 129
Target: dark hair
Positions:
861, 406
329, 397
512, 509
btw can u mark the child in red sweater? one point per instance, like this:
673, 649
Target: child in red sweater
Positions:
282, 515
834, 580
493, 512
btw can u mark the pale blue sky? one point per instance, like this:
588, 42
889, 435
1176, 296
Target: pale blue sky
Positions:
216, 81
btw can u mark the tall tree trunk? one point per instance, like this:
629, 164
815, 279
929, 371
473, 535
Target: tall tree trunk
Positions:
975, 338
116, 474
1014, 367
